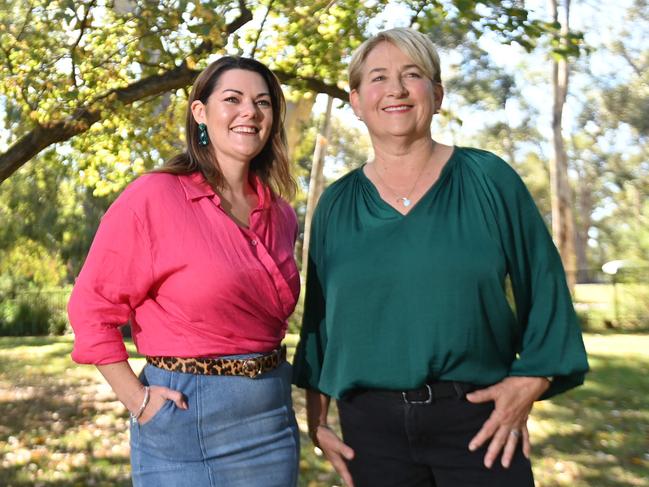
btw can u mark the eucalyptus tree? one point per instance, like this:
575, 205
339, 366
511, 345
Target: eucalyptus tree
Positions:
109, 77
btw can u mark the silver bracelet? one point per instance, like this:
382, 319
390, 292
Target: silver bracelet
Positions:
136, 416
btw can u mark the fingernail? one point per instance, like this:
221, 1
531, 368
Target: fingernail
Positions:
471, 447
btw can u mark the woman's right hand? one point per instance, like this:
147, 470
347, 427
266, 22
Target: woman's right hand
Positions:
157, 397
337, 452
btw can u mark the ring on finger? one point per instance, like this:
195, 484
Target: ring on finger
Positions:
515, 433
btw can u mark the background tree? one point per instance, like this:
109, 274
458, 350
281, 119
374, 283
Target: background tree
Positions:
108, 80
68, 66
562, 216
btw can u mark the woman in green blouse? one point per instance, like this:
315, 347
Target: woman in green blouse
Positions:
406, 320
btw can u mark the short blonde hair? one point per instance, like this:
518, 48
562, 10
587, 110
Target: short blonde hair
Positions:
413, 43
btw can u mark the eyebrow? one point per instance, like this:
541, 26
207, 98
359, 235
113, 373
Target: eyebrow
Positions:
241, 92
407, 66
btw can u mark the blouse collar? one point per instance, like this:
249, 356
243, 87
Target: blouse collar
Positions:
196, 186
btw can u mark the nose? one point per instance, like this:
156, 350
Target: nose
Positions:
397, 87
249, 109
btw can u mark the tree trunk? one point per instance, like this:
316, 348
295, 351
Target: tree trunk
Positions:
316, 181
585, 206
510, 146
581, 234
297, 114
561, 195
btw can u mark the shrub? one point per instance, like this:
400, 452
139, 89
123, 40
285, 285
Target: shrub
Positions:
34, 314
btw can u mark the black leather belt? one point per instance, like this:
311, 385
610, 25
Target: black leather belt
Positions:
430, 392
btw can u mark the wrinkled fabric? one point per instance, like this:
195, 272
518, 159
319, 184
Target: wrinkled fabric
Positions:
393, 300
168, 259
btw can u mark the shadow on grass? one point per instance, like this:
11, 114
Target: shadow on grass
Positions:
52, 438
76, 477
57, 427
604, 425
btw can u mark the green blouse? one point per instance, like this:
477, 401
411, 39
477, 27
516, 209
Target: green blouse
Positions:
393, 301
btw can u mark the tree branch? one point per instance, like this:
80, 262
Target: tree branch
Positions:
244, 17
312, 84
261, 28
82, 31
640, 72
43, 136
26, 22
415, 15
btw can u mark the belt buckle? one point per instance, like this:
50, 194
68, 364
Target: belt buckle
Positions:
428, 400
252, 367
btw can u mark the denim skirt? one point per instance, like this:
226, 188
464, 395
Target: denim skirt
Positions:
237, 432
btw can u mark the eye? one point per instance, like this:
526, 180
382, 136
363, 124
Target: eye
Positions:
412, 74
378, 78
232, 99
264, 103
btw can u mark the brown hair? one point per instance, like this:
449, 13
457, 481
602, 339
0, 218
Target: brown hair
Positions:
411, 42
271, 165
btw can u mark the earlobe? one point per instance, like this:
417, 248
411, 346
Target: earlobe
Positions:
353, 101
438, 91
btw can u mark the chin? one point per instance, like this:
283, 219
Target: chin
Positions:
399, 133
249, 156
248, 151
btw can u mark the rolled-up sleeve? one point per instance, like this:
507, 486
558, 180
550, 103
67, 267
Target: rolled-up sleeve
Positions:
115, 278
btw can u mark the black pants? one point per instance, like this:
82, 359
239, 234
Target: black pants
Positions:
402, 443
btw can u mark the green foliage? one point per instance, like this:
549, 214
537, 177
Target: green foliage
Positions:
347, 148
59, 57
34, 313
299, 37
622, 305
48, 220
23, 319
28, 264
481, 83
611, 183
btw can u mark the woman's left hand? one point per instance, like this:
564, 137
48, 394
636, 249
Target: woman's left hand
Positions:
513, 399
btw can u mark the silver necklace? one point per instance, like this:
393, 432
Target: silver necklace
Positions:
404, 200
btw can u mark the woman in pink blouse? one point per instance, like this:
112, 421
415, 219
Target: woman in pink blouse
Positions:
198, 258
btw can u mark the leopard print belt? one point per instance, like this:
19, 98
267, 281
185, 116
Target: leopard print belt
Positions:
248, 367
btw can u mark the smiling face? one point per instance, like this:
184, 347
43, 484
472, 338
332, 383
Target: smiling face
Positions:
238, 115
394, 97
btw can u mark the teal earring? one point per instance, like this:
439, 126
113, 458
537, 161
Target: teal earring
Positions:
203, 139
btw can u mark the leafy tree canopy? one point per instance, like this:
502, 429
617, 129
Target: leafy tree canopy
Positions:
105, 81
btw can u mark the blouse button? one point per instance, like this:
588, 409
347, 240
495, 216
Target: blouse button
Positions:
253, 242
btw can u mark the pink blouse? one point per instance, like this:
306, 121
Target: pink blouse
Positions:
190, 280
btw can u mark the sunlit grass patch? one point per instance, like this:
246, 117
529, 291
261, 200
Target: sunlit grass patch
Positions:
598, 434
60, 424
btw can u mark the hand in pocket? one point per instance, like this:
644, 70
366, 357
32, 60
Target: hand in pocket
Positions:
158, 396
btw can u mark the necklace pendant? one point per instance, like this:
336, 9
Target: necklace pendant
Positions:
406, 202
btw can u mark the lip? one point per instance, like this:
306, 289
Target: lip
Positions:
245, 129
401, 108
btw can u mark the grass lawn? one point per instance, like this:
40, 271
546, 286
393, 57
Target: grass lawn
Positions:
60, 425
